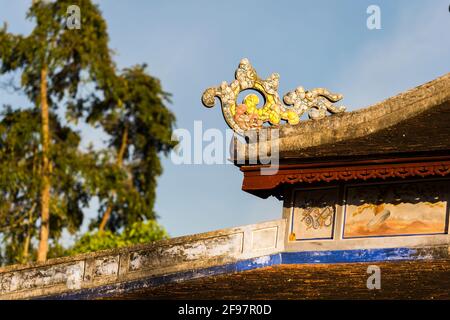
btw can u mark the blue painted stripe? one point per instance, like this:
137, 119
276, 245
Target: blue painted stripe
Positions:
304, 257
348, 256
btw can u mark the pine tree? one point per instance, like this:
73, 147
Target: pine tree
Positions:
20, 181
52, 60
45, 179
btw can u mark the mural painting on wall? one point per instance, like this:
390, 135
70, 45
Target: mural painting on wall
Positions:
314, 213
396, 209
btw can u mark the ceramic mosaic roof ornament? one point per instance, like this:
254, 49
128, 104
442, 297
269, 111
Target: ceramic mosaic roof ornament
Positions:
246, 115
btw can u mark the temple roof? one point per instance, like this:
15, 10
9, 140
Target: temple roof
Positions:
245, 262
413, 122
312, 281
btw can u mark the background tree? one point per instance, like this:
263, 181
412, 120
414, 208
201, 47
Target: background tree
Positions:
19, 188
47, 179
52, 60
135, 233
20, 180
140, 127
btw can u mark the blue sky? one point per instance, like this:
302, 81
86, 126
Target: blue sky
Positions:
191, 45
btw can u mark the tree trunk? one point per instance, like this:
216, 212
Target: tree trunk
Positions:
119, 162
45, 187
26, 245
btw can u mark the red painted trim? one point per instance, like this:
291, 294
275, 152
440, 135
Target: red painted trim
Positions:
290, 174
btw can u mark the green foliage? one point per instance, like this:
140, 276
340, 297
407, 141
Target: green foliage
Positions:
137, 108
82, 81
136, 233
70, 60
67, 54
20, 181
19, 188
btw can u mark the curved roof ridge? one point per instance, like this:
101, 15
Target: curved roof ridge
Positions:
362, 122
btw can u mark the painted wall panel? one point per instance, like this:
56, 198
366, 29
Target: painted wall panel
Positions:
396, 209
314, 213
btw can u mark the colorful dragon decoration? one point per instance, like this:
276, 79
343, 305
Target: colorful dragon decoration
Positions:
247, 115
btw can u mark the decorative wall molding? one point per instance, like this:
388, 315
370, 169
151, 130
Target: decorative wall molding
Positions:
117, 268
